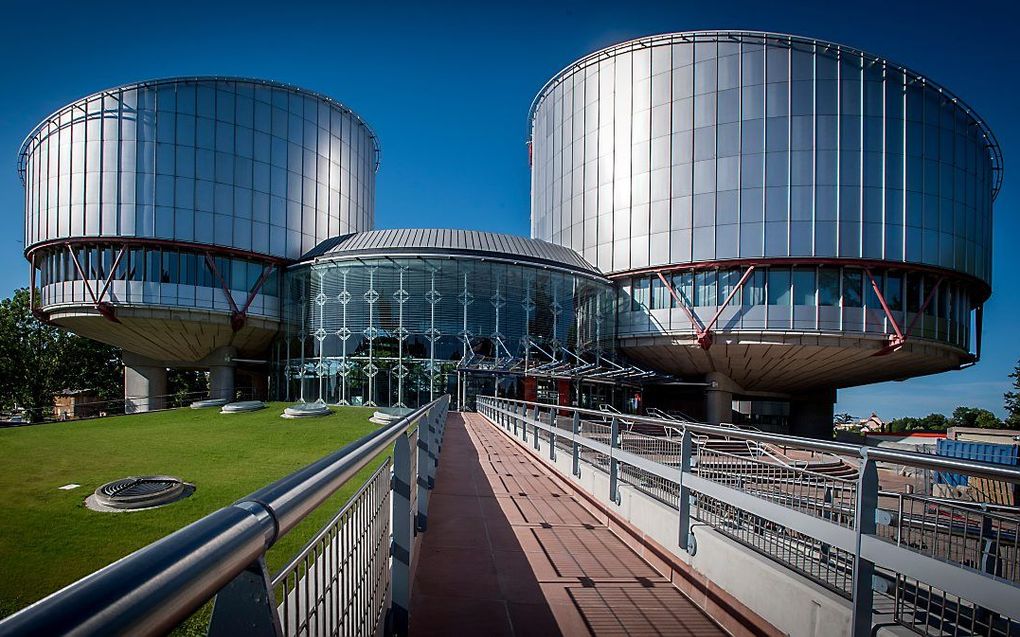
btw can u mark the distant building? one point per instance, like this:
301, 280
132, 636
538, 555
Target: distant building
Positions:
871, 424
76, 403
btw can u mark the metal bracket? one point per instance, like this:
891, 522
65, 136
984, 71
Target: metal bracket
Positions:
897, 341
246, 605
238, 315
703, 332
105, 309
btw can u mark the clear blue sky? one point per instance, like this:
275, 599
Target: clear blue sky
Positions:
447, 89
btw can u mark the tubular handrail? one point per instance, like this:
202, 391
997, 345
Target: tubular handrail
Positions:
909, 458
155, 588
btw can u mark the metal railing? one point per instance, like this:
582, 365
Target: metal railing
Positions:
947, 568
342, 583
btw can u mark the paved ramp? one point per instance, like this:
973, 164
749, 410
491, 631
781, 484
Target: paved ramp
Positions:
510, 551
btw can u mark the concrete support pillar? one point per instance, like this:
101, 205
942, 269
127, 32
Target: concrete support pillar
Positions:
719, 398
221, 381
811, 415
144, 385
221, 372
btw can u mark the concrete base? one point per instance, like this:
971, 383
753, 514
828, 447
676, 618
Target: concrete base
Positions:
145, 380
718, 406
719, 398
221, 382
144, 385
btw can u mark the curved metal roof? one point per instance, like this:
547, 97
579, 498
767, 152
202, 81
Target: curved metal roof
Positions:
446, 242
197, 78
994, 150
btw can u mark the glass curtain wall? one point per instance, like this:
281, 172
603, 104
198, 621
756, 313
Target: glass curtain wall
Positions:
811, 298
730, 145
391, 332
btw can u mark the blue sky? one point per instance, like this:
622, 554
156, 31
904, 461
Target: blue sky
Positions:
447, 88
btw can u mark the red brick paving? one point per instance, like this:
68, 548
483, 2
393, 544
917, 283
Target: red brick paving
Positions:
509, 552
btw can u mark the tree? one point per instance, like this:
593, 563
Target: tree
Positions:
24, 348
37, 360
185, 385
974, 417
934, 422
931, 422
844, 419
1013, 401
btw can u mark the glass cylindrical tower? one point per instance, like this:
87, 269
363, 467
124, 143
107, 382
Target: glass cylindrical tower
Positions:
158, 214
783, 214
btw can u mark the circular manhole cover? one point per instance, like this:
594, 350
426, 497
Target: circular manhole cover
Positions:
139, 492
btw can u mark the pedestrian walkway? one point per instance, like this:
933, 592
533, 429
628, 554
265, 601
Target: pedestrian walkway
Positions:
510, 551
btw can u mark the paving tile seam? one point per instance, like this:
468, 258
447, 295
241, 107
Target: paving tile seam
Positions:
540, 525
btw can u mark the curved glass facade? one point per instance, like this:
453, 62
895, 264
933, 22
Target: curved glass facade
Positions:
800, 298
244, 164
704, 147
392, 331
153, 275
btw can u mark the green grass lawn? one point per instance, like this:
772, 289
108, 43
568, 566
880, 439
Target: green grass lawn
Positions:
48, 538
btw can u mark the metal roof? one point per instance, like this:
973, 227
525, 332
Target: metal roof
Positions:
444, 242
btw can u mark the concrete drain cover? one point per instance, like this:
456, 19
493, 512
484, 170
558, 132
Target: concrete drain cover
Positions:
211, 402
138, 492
242, 406
307, 410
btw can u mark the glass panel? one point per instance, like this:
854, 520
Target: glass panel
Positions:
828, 286
683, 285
660, 296
640, 294
852, 291
804, 286
929, 285
779, 286
705, 289
754, 289
238, 275
728, 280
894, 292
913, 292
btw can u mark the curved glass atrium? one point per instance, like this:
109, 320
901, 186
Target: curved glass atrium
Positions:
394, 331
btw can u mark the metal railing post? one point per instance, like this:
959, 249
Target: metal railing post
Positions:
990, 563
614, 465
247, 605
433, 439
552, 433
422, 477
864, 570
524, 422
536, 441
517, 417
575, 427
400, 543
440, 428
685, 492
